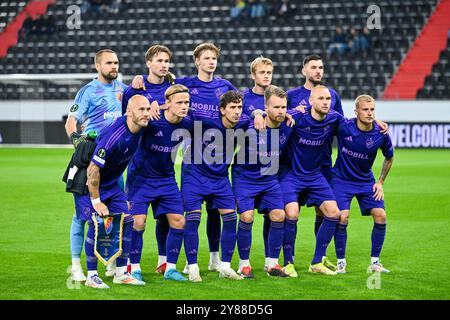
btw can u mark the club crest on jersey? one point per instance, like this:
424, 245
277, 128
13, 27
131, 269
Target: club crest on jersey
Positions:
119, 97
282, 138
218, 93
101, 153
74, 108
369, 143
108, 222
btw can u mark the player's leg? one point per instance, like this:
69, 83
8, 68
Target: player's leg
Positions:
213, 225
275, 239
370, 206
122, 276
318, 221
161, 232
324, 236
378, 236
340, 241
292, 210
174, 242
191, 241
266, 228
228, 243
244, 243
137, 242
76, 247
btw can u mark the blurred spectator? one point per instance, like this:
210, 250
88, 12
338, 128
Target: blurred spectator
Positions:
360, 41
339, 43
282, 8
95, 6
256, 8
42, 25
238, 10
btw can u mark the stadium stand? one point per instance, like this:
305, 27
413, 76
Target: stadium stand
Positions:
181, 25
8, 11
437, 84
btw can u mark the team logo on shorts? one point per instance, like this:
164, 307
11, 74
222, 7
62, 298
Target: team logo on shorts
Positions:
101, 153
369, 143
74, 108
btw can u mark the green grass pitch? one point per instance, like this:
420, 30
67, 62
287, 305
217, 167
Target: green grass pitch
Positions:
35, 255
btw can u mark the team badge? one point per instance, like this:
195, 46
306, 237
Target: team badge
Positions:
283, 139
74, 108
108, 237
101, 153
218, 93
369, 143
108, 223
119, 97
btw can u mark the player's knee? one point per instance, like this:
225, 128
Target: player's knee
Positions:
343, 218
379, 216
277, 215
246, 217
139, 222
177, 222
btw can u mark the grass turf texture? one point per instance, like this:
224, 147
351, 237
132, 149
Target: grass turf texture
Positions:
35, 254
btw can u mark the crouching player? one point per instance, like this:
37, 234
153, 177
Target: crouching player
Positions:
358, 143
255, 183
151, 179
115, 147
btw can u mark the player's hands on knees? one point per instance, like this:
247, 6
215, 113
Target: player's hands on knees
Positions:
259, 122
378, 191
138, 82
154, 111
290, 122
383, 125
101, 209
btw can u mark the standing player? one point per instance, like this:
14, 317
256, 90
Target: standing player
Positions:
205, 92
115, 147
358, 142
151, 180
255, 183
96, 106
304, 177
155, 85
207, 179
313, 72
261, 71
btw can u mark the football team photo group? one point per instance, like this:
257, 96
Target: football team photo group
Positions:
195, 151
276, 144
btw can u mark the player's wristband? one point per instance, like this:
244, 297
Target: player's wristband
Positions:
95, 201
75, 138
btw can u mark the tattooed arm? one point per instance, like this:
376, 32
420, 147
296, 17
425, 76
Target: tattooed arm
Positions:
378, 186
93, 178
